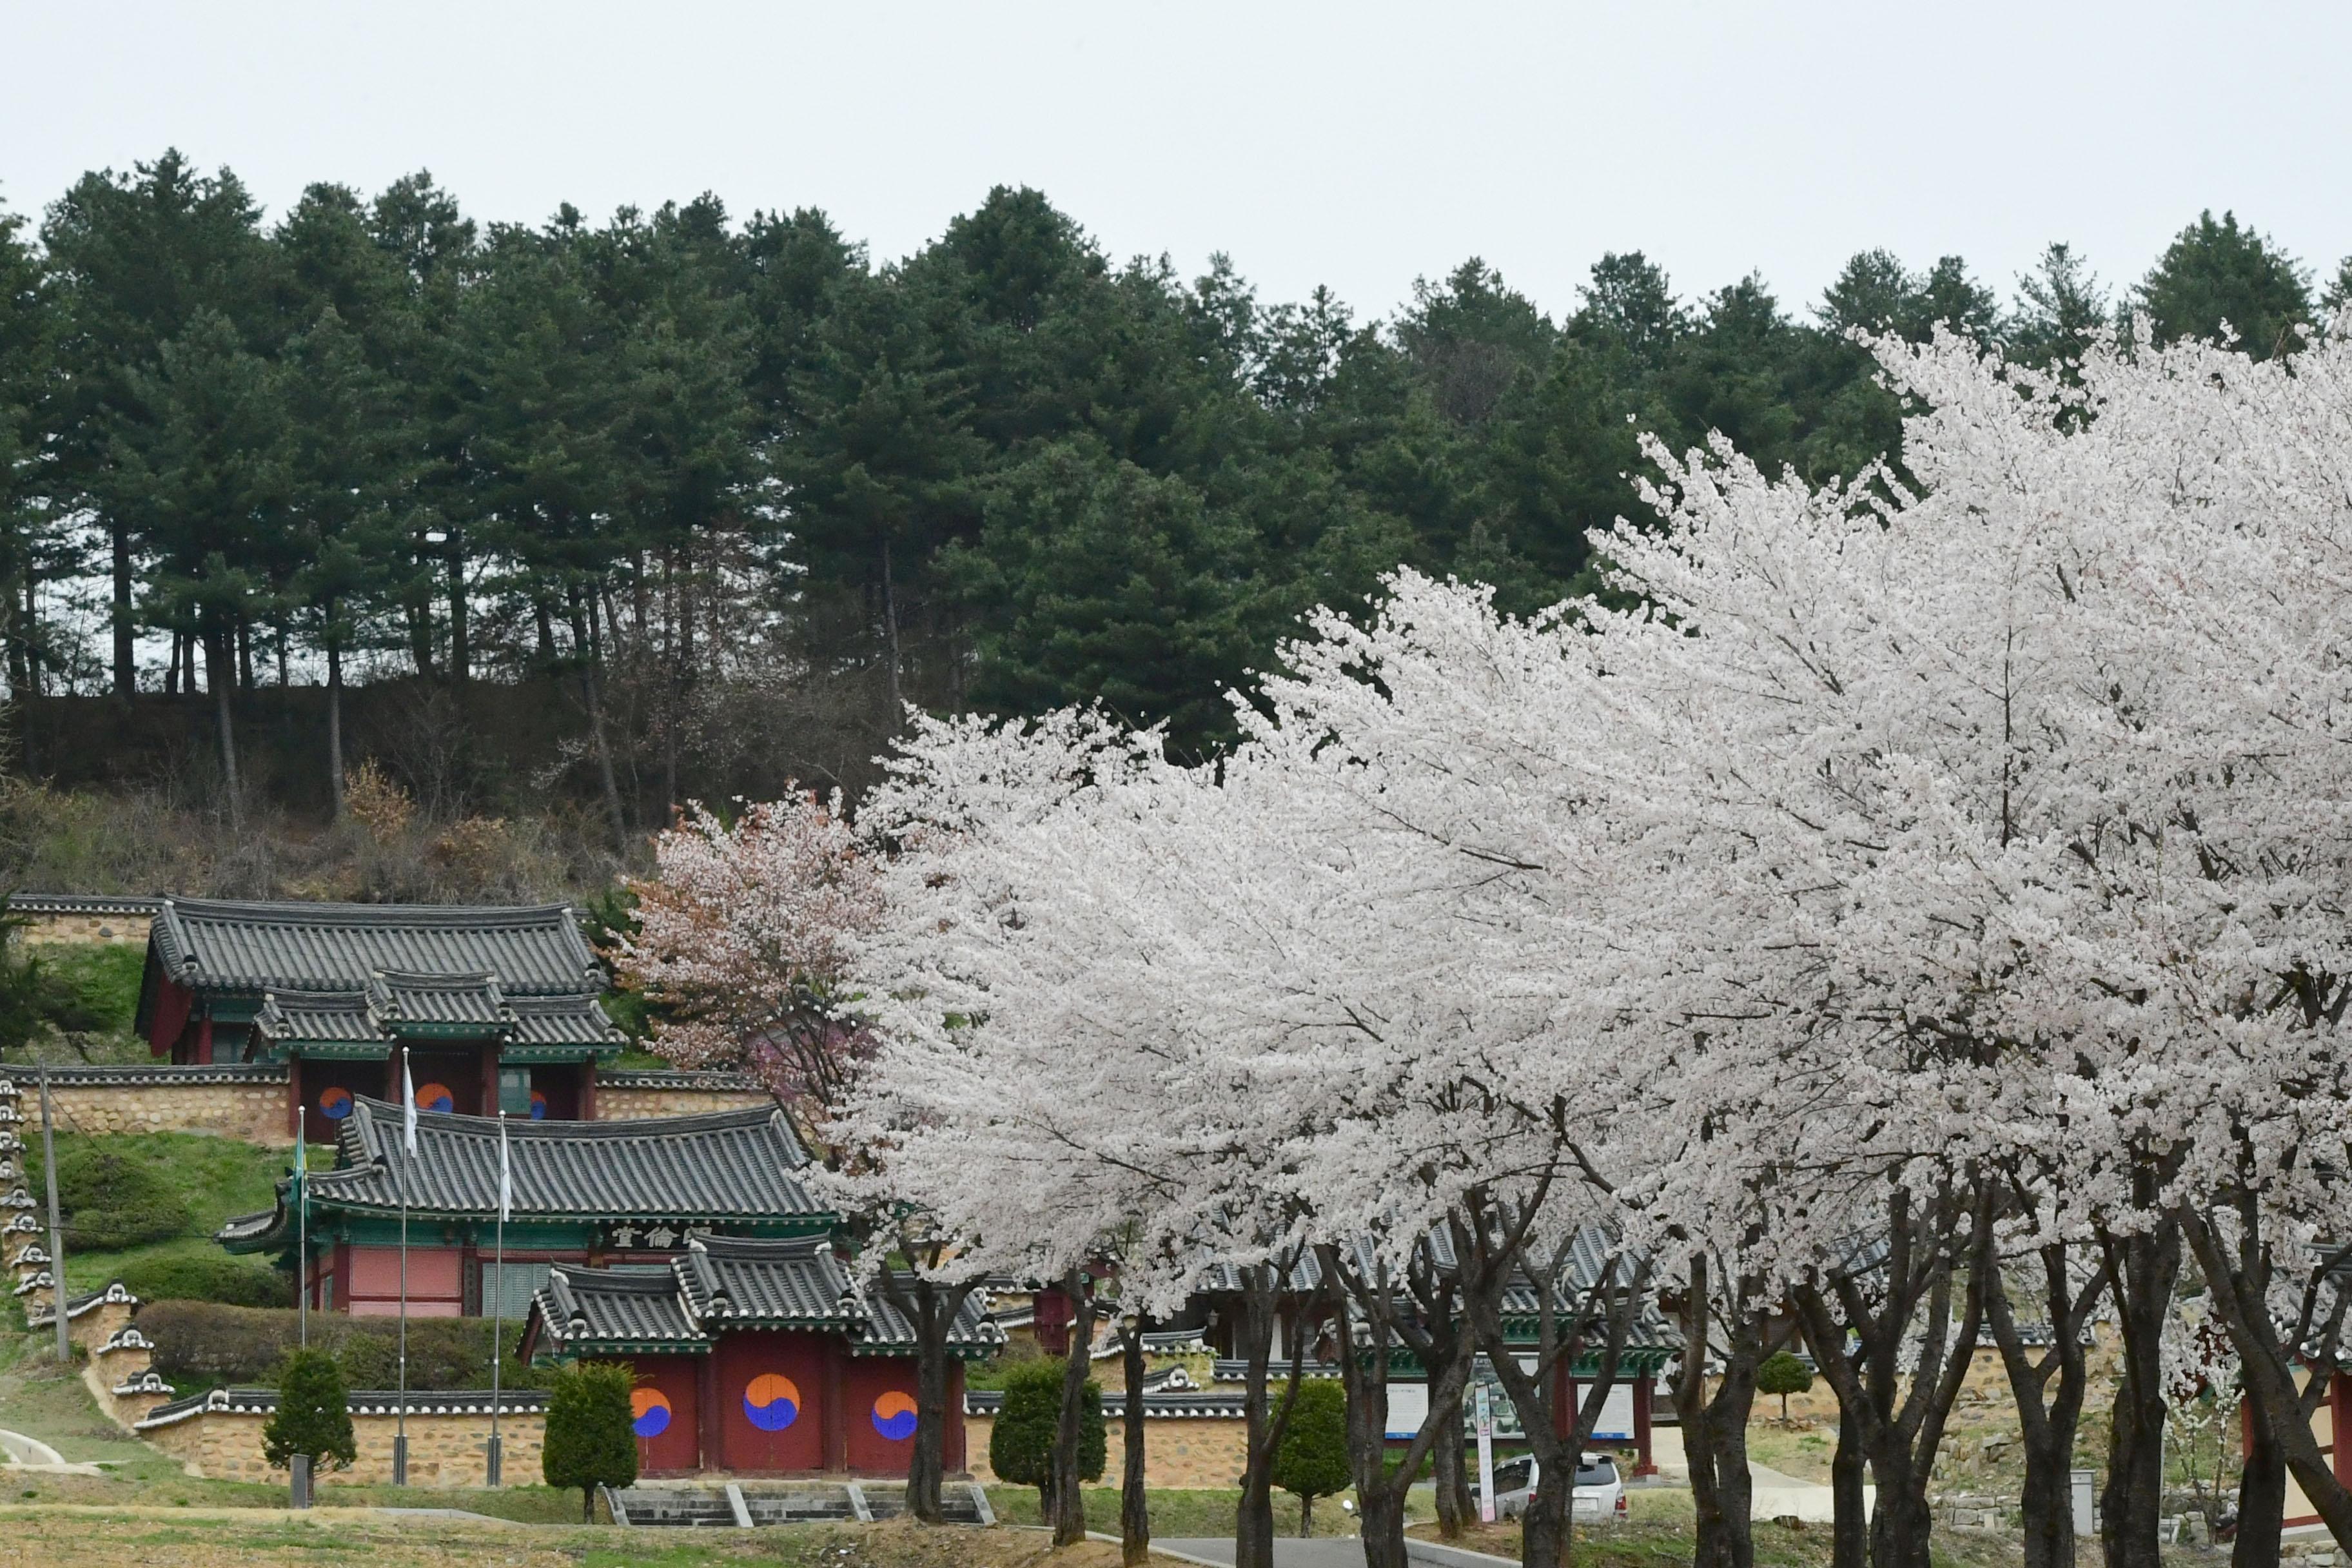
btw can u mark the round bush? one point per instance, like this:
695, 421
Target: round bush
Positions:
222, 1280
112, 1200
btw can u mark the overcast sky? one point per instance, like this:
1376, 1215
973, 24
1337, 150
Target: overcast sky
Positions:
1358, 145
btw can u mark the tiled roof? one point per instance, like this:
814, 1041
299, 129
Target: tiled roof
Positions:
163, 1075
392, 1006
596, 1310
722, 1166
398, 996
1197, 1405
720, 1283
24, 903
218, 945
360, 1401
674, 1077
766, 1284
565, 1021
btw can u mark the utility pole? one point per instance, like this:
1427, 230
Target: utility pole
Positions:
56, 1226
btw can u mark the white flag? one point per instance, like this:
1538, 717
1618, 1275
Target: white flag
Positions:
505, 1173
407, 1103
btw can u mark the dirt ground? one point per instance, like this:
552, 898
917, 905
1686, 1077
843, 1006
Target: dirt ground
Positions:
205, 1538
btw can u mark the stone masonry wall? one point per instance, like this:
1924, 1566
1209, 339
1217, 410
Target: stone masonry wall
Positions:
443, 1450
83, 931
1180, 1451
615, 1104
254, 1113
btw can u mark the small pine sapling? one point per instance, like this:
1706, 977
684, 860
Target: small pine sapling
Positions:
590, 1442
313, 1415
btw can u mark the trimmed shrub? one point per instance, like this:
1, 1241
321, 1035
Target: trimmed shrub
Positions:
221, 1280
112, 1200
201, 1345
590, 1442
313, 1415
1021, 1444
1783, 1375
1312, 1461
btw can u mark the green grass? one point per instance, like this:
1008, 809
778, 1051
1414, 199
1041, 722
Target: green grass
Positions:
215, 1177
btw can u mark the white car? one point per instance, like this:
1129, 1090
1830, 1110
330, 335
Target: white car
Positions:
1599, 1495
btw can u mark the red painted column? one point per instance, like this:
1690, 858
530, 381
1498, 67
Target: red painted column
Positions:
204, 1042
836, 1431
294, 1095
1644, 1394
490, 1078
588, 1089
953, 1458
706, 1411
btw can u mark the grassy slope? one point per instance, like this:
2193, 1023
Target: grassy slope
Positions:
215, 1177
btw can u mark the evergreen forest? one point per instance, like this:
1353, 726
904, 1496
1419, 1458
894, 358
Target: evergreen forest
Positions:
488, 535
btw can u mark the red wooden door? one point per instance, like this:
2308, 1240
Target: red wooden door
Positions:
770, 1394
877, 1407
666, 1411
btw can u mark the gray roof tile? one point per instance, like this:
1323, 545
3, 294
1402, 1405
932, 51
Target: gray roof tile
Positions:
221, 945
722, 1166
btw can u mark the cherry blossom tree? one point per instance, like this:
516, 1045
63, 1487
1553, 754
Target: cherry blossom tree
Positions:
739, 939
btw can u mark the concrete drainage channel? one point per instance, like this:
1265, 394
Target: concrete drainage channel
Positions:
735, 1507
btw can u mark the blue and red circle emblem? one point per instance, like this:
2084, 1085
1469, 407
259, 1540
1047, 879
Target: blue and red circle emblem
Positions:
537, 1106
436, 1096
648, 1412
894, 1416
772, 1401
335, 1104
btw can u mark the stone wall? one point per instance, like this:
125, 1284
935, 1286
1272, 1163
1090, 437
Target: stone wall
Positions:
84, 929
1180, 1451
622, 1102
254, 1111
443, 1450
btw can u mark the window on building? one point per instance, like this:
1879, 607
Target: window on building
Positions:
507, 1292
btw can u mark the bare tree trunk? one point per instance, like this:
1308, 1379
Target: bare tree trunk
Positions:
890, 630
461, 660
1849, 1510
219, 676
2238, 1276
1382, 1489
171, 672
1134, 1501
932, 1307
1069, 1519
2262, 1501
2142, 1268
591, 650
1452, 1474
1899, 1416
126, 661
1715, 1430
1262, 1422
335, 724
2047, 1421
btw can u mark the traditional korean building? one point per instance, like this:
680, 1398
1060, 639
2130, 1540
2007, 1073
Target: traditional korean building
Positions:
756, 1357
585, 1192
496, 1007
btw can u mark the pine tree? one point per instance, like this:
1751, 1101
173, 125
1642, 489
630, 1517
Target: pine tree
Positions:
1783, 1375
313, 1415
589, 1441
1021, 1444
1313, 1459
2224, 275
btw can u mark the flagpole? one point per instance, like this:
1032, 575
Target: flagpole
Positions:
301, 1236
408, 1125
498, 1295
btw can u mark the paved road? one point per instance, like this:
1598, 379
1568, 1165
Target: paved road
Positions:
1337, 1553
